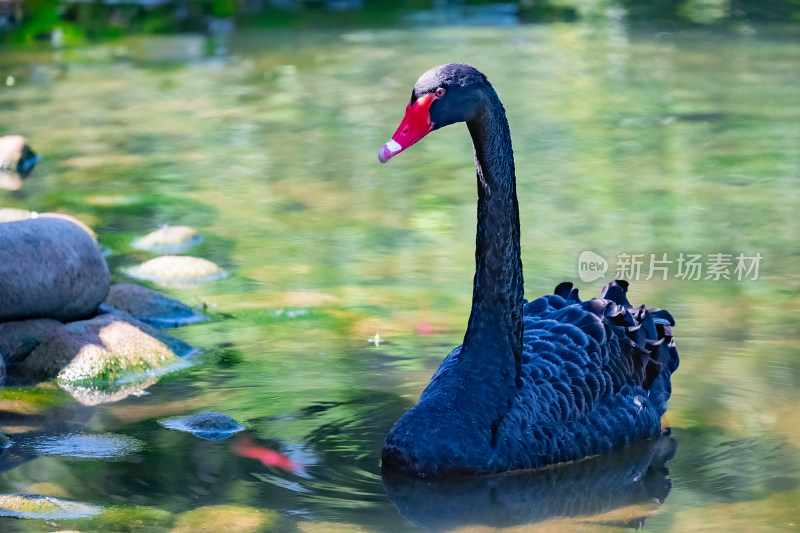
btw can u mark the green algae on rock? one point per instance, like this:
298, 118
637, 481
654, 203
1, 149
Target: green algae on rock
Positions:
103, 350
36, 506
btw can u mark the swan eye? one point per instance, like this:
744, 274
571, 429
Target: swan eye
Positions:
439, 92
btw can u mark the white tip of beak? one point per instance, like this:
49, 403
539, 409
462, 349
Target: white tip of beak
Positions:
389, 150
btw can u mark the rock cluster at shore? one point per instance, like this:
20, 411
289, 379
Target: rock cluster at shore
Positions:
60, 317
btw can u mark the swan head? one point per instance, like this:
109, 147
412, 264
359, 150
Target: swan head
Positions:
443, 95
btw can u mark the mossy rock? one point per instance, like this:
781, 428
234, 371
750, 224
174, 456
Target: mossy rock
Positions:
102, 350
36, 506
227, 518
133, 518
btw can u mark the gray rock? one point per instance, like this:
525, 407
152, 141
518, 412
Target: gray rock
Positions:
150, 307
49, 268
206, 425
104, 349
19, 338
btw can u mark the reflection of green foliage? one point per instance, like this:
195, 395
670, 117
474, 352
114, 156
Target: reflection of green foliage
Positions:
350, 426
39, 399
727, 469
98, 20
223, 8
40, 18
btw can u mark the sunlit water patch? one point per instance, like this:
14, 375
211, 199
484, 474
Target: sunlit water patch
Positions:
106, 446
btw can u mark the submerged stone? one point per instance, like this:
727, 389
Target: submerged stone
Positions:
50, 268
176, 270
132, 518
151, 307
332, 527
168, 240
227, 518
103, 350
206, 425
36, 506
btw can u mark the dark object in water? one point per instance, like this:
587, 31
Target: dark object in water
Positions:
533, 384
16, 155
16, 161
207, 425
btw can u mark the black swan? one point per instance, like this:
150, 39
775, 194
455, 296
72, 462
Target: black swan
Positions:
534, 383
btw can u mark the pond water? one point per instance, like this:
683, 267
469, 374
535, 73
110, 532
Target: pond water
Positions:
627, 142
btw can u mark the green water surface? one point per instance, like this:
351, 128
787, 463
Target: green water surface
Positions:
628, 141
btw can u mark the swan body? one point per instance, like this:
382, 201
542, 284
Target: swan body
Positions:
534, 383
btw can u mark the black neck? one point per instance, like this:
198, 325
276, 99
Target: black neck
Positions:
496, 316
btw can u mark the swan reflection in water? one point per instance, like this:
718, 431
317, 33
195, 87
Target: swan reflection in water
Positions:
637, 475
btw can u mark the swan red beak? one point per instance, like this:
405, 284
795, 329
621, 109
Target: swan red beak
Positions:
415, 125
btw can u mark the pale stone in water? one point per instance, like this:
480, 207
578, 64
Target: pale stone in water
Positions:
12, 214
168, 239
169, 269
